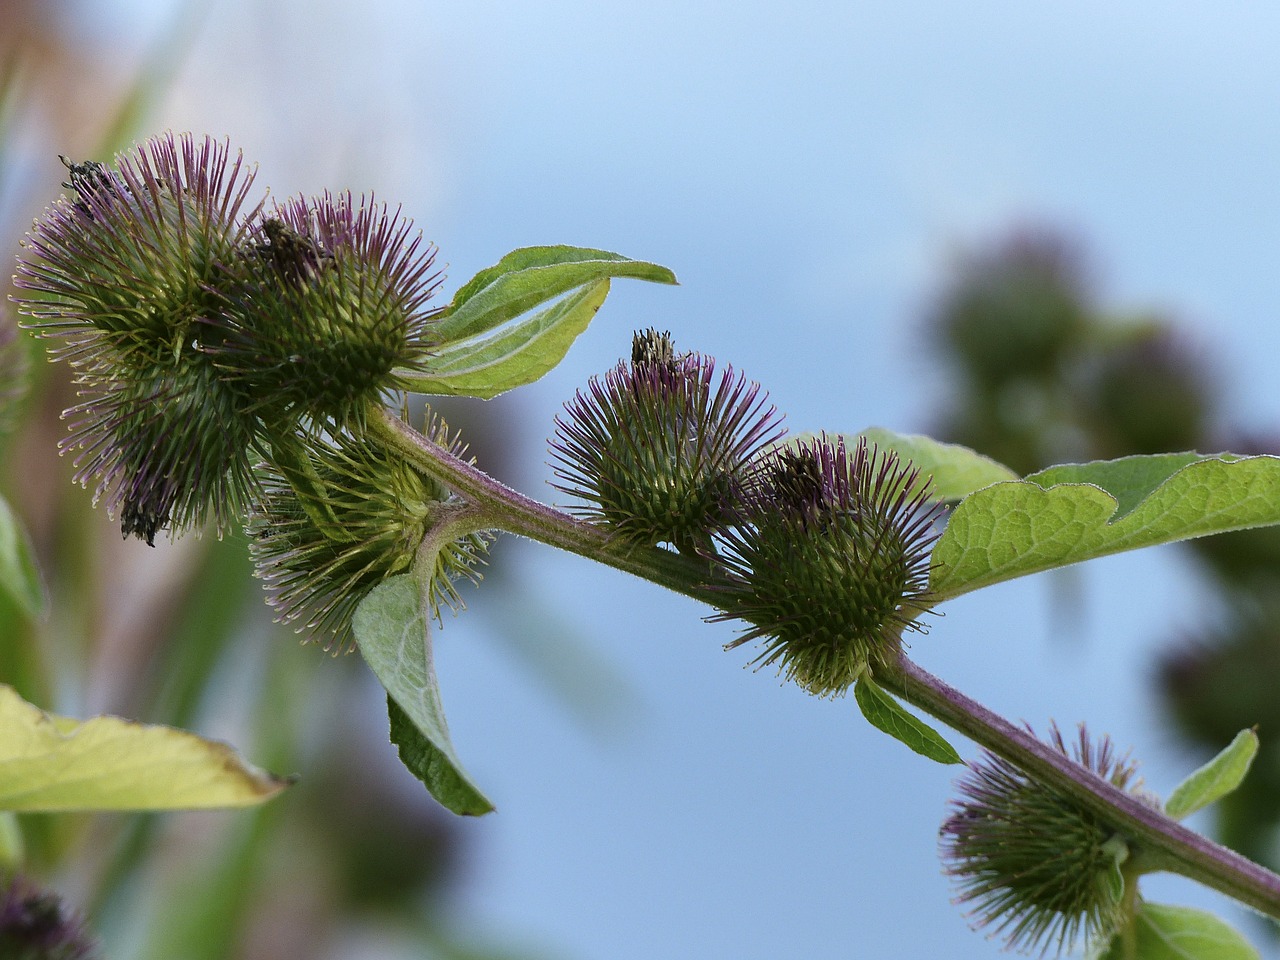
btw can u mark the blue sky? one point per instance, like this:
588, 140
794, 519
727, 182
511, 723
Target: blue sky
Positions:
808, 175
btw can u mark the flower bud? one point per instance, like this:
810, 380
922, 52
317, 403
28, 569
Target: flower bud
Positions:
171, 452
1042, 870
657, 447
326, 302
829, 562
340, 515
123, 272
123, 276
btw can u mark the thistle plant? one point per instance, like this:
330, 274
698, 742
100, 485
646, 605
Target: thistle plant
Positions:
323, 306
121, 275
359, 520
239, 364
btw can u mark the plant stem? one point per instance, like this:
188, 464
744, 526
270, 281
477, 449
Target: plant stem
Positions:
512, 511
1162, 842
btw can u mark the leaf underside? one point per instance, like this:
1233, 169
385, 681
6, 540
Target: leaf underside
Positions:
392, 627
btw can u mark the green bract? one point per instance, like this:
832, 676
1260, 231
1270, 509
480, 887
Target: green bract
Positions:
339, 516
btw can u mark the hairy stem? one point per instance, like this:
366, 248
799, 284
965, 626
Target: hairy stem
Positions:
1162, 843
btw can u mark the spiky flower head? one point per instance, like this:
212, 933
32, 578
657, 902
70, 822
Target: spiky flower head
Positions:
1041, 870
657, 447
166, 453
328, 303
35, 925
338, 516
122, 275
829, 560
122, 271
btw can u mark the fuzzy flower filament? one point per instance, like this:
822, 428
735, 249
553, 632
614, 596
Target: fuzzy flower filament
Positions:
1034, 865
828, 561
657, 447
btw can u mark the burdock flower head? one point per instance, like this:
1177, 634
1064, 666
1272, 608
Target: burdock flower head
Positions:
122, 275
328, 302
829, 560
658, 447
347, 515
1043, 871
35, 925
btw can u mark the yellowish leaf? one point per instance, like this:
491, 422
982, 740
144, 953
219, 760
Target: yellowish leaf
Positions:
52, 763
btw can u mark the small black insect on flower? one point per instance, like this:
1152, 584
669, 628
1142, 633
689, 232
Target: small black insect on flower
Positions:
326, 311
293, 257
86, 178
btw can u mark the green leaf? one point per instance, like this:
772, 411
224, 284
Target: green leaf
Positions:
393, 630
1077, 512
1215, 779
18, 574
484, 350
432, 766
1162, 932
516, 354
1114, 879
51, 763
529, 276
885, 713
